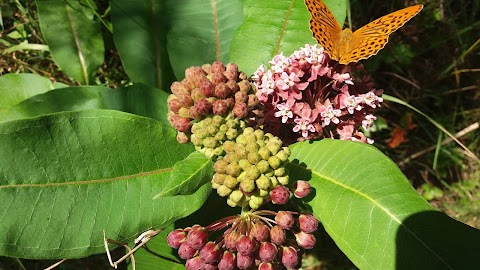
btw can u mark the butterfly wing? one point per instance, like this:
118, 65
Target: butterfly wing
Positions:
371, 38
324, 26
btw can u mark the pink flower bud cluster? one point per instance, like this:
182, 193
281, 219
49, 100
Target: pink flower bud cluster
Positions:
308, 96
252, 240
210, 90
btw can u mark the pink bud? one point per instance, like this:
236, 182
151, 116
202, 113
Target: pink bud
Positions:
197, 237
232, 67
277, 235
265, 266
228, 261
174, 104
284, 219
231, 240
260, 232
217, 78
176, 238
240, 110
244, 261
280, 195
177, 88
207, 88
222, 91
207, 266
194, 72
290, 258
240, 97
305, 240
308, 223
182, 124
194, 264
301, 188
220, 107
267, 252
203, 106
246, 245
185, 251
218, 67
210, 253
186, 100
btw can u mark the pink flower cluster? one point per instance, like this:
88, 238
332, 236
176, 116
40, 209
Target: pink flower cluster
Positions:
309, 96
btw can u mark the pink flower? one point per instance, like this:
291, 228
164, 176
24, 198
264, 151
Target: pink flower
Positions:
286, 81
331, 115
304, 123
284, 110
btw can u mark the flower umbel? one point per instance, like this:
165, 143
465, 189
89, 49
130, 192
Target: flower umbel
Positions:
260, 239
309, 96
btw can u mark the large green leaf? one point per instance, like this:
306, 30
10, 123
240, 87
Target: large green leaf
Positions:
68, 177
201, 31
138, 99
73, 36
374, 215
139, 33
270, 27
15, 88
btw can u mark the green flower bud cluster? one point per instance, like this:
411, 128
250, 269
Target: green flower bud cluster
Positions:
207, 91
252, 166
209, 134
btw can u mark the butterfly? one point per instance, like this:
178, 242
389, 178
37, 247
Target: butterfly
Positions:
346, 46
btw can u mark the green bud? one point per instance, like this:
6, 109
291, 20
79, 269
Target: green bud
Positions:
233, 169
274, 162
196, 140
236, 196
259, 134
217, 120
261, 143
218, 178
283, 180
223, 128
212, 130
287, 150
230, 182
250, 137
269, 172
281, 171
218, 151
232, 133
242, 176
263, 166
231, 158
248, 185
214, 185
241, 139
223, 191
263, 182
252, 147
184, 112
241, 151
231, 203
210, 142
274, 181
244, 164
232, 123
268, 136
243, 124
255, 202
273, 147
220, 136
229, 146
252, 172
208, 152
207, 122
263, 192
195, 127
220, 166
254, 158
264, 153
248, 130
282, 155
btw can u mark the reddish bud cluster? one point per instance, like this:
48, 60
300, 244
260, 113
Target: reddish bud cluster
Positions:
210, 90
250, 241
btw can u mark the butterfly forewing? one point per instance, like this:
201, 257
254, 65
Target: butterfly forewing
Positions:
364, 42
324, 26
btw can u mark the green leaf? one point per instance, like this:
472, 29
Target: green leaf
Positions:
137, 99
201, 32
270, 27
73, 36
15, 88
374, 215
139, 32
68, 177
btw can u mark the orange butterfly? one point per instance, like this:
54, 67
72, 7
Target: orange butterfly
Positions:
346, 46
